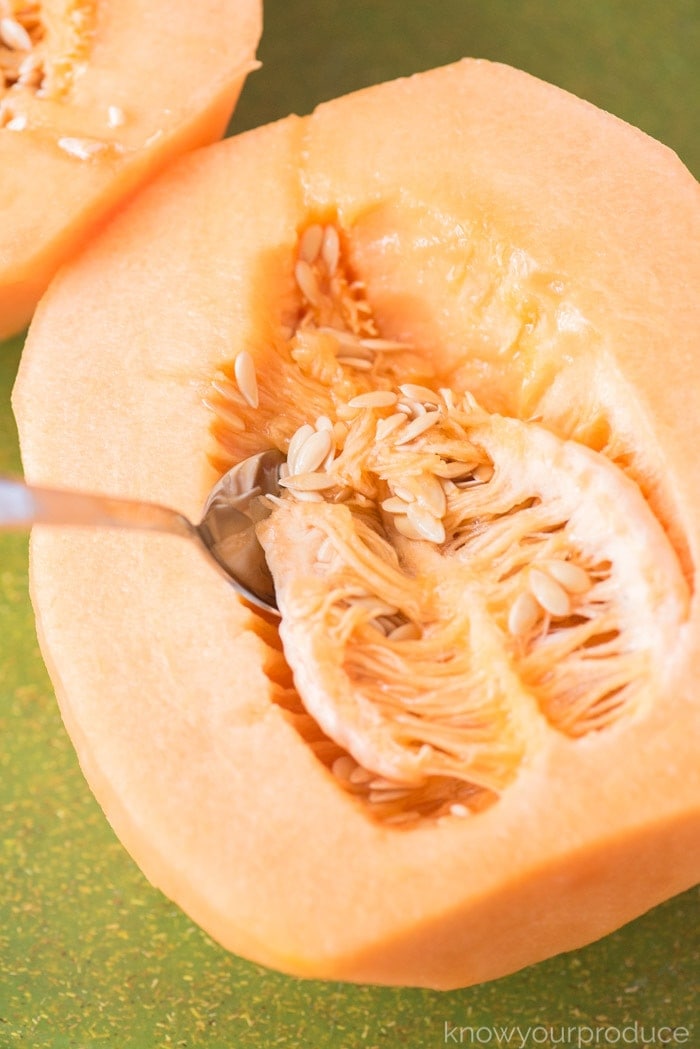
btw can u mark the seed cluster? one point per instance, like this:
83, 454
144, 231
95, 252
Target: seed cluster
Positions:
398, 803
21, 38
37, 63
552, 589
386, 434
336, 328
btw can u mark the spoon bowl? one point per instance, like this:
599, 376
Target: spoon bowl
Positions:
226, 531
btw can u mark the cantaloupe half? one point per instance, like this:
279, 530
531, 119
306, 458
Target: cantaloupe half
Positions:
96, 96
503, 780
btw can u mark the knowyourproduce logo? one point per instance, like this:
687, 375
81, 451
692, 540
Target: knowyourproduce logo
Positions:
573, 1035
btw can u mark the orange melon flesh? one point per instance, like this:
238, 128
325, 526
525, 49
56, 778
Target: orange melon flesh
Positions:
476, 201
172, 73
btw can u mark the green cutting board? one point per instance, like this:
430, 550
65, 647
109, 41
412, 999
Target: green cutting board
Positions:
90, 954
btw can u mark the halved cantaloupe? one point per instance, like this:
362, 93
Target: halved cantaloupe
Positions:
467, 300
95, 98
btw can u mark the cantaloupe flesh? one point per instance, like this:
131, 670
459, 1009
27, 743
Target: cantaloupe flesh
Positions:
175, 70
160, 672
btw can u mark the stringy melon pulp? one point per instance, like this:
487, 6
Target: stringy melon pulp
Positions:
454, 581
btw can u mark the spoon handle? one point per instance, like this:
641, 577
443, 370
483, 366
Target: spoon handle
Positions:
22, 505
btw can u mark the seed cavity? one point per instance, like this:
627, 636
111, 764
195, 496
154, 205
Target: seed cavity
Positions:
411, 506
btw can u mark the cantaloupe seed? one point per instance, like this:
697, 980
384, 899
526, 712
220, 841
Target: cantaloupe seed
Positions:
308, 495
313, 451
393, 468
83, 148
296, 442
571, 576
330, 249
388, 425
343, 767
228, 392
223, 411
417, 427
360, 775
309, 482
402, 492
244, 370
31, 70
116, 117
378, 345
423, 394
425, 523
523, 614
549, 594
394, 505
483, 473
408, 528
411, 409
344, 339
306, 279
405, 632
310, 243
14, 36
374, 399
431, 495
358, 363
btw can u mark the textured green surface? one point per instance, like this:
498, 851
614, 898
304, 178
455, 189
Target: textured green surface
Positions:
90, 955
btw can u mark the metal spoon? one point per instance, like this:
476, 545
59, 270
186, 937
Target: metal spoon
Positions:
226, 531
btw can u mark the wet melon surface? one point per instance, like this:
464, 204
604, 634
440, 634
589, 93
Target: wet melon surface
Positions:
85, 118
473, 741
